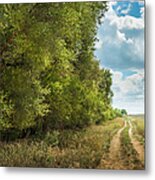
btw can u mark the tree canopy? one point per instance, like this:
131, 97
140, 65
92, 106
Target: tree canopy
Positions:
49, 77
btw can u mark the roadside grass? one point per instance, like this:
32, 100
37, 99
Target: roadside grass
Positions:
62, 149
128, 154
138, 129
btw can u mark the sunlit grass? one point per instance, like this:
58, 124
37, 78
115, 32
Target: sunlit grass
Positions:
127, 153
139, 128
65, 149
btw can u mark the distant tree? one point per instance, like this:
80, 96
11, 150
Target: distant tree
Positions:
124, 112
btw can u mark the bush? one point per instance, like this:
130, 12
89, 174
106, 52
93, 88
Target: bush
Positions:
52, 138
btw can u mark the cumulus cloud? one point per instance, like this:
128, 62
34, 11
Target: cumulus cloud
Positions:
127, 10
129, 91
121, 49
122, 38
127, 21
121, 42
130, 85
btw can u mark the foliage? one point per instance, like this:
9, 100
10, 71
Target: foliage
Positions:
124, 112
6, 110
50, 78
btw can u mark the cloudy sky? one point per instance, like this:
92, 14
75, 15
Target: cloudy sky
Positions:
121, 49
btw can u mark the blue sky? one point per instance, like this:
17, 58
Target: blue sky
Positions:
121, 49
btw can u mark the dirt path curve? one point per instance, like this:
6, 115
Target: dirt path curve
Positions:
115, 144
136, 144
114, 161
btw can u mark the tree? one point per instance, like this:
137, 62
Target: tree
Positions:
50, 78
124, 112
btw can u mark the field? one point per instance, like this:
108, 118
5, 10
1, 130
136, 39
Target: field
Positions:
66, 69
116, 144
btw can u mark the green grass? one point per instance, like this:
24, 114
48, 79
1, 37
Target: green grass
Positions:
73, 149
127, 153
65, 149
138, 128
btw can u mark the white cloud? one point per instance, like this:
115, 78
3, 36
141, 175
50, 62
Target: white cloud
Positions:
117, 77
138, 50
122, 49
118, 8
98, 44
122, 38
112, 3
129, 91
133, 107
122, 22
139, 71
141, 2
127, 22
127, 10
132, 84
142, 12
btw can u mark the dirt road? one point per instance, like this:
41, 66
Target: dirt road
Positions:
115, 144
114, 162
114, 159
136, 144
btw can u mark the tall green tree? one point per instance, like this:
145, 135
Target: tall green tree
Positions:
49, 77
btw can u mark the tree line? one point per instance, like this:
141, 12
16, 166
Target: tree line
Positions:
49, 77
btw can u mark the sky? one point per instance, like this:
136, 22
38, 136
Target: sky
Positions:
120, 48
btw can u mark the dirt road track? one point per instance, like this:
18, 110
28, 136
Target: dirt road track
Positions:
136, 144
114, 161
115, 143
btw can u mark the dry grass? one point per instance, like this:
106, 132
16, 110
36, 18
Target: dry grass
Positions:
67, 149
138, 130
128, 154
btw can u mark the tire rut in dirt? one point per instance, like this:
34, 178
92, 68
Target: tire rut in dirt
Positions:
136, 144
113, 160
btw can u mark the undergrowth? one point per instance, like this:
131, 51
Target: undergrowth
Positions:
61, 149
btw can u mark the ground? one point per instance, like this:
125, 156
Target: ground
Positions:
116, 144
125, 151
